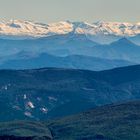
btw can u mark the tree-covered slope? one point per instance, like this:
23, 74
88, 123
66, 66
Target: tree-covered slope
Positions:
110, 122
48, 93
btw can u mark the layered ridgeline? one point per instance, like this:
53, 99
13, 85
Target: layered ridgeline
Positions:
48, 93
102, 32
78, 45
112, 122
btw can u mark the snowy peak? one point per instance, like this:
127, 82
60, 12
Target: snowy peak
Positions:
32, 29
27, 28
118, 28
17, 27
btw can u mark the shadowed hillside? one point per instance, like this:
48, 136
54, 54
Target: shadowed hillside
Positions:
111, 122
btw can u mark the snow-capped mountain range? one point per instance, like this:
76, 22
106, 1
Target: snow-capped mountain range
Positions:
97, 46
32, 29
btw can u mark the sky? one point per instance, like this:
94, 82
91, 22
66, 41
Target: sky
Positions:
48, 11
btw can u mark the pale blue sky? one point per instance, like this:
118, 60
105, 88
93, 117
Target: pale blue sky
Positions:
48, 11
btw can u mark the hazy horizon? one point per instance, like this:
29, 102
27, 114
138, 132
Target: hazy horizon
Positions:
48, 11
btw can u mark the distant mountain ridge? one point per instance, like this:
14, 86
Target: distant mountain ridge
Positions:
117, 54
101, 32
19, 27
112, 41
122, 49
27, 61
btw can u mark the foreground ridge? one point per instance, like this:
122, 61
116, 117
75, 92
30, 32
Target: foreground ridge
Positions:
103, 123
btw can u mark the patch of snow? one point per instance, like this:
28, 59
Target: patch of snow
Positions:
52, 98
5, 87
28, 114
44, 110
31, 105
88, 89
38, 98
25, 96
16, 107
